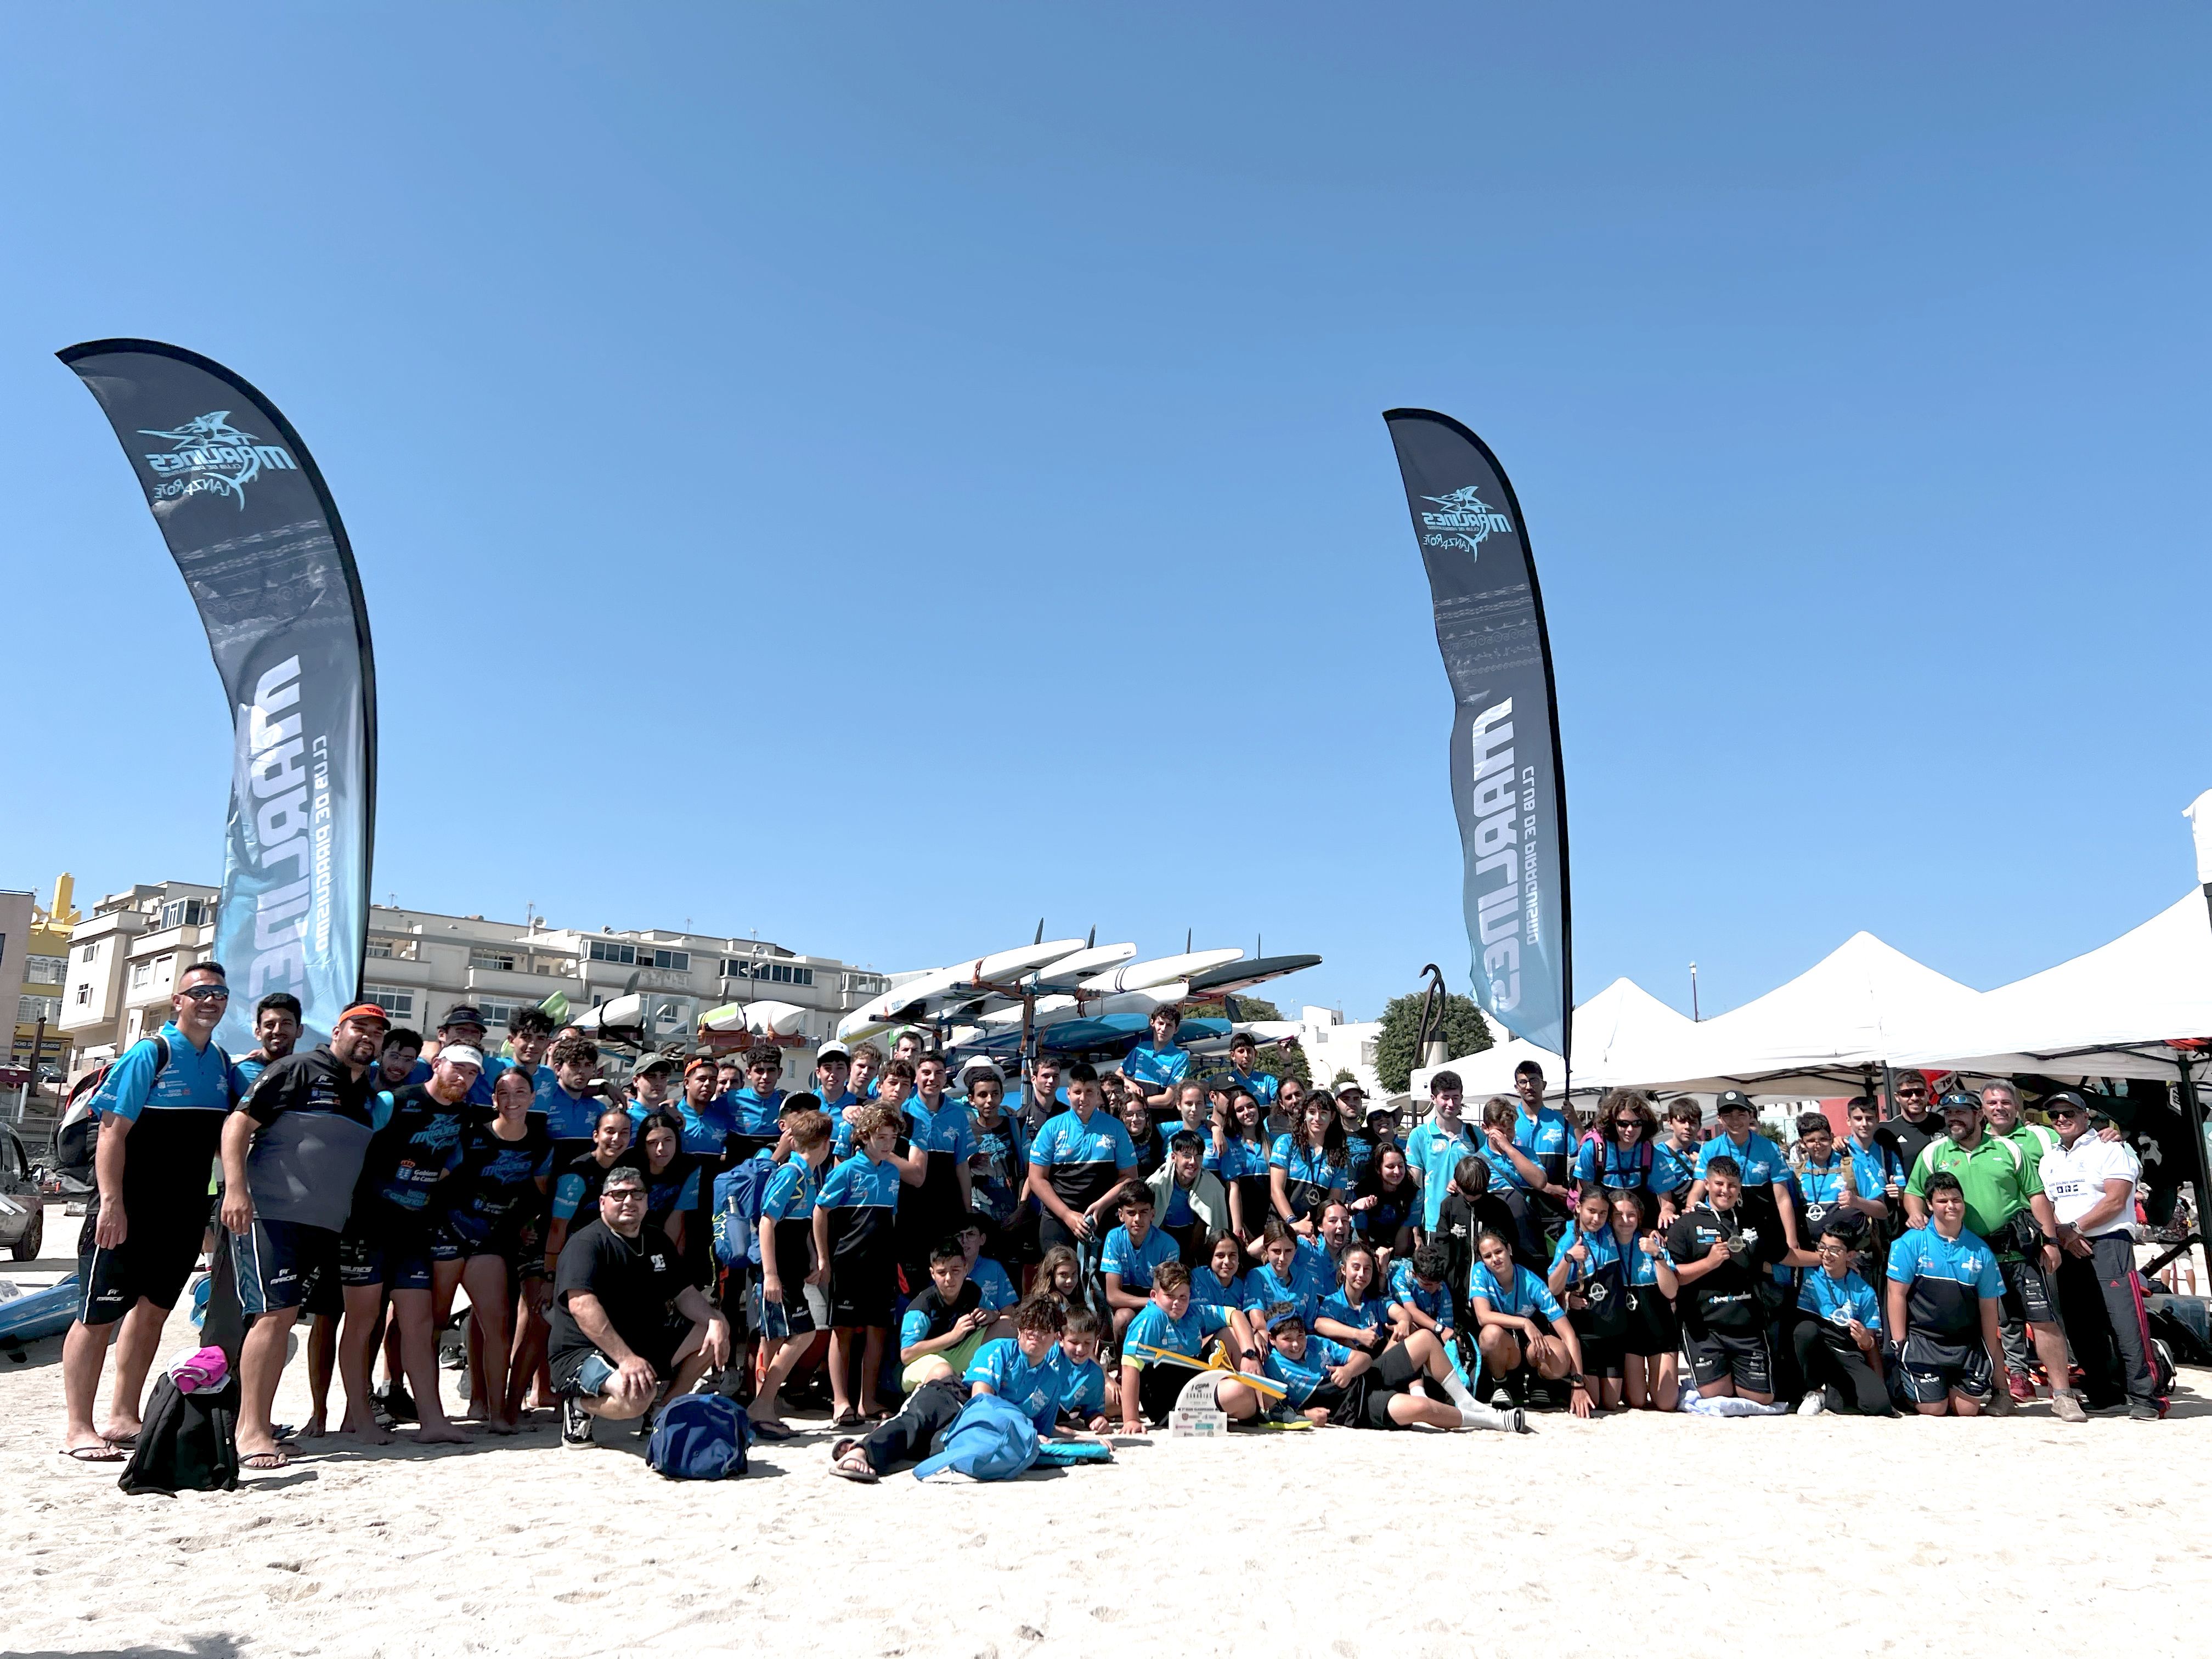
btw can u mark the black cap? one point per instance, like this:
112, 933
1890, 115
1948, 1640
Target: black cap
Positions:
1961, 1100
463, 1014
1218, 1084
1734, 1100
653, 1063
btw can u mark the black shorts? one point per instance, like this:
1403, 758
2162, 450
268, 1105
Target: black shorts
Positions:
1719, 1355
659, 1352
1159, 1384
154, 1261
2028, 1293
862, 1291
1366, 1403
277, 1264
1602, 1356
1930, 1369
393, 1252
1654, 1328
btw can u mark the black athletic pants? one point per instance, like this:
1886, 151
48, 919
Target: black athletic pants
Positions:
906, 1439
1847, 1382
2101, 1304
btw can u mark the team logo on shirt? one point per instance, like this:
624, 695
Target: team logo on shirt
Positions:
1464, 519
207, 455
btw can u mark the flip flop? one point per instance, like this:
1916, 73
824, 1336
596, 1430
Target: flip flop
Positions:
103, 1452
125, 1440
275, 1460
774, 1431
281, 1432
850, 1420
863, 1474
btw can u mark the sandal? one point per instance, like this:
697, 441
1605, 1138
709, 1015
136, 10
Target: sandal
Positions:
848, 1463
102, 1453
268, 1460
771, 1430
849, 1419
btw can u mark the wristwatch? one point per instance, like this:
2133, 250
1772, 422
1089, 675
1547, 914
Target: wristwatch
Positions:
1577, 1378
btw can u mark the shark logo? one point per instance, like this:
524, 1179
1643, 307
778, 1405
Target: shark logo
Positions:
1465, 520
209, 455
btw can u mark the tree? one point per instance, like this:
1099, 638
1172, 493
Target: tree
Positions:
1270, 1060
1465, 1032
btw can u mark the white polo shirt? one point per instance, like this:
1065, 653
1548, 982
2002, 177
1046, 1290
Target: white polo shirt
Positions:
2075, 1179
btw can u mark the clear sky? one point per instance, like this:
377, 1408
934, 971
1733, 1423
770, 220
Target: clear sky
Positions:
878, 474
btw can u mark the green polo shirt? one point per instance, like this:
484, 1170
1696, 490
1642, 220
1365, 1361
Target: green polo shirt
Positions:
1997, 1177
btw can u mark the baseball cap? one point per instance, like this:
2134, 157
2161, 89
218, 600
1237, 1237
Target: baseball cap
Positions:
981, 1066
1732, 1100
651, 1063
1962, 1100
832, 1050
1346, 1090
462, 1014
1373, 1112
365, 1010
462, 1054
1282, 1321
2066, 1100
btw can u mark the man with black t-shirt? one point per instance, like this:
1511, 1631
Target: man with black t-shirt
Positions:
1722, 1264
1911, 1124
625, 1318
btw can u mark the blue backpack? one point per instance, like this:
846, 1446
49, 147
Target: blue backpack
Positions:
992, 1439
737, 1193
700, 1437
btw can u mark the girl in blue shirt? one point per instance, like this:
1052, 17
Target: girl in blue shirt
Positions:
1307, 1168
1586, 1273
1654, 1336
1359, 1314
1519, 1324
1220, 1282
1240, 1158
1276, 1287
1619, 1151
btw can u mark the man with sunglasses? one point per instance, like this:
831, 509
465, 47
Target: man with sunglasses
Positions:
2091, 1183
161, 1110
1910, 1125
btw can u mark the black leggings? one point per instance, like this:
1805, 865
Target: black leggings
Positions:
906, 1439
1847, 1382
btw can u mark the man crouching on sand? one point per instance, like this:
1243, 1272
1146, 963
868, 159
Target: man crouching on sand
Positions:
624, 1322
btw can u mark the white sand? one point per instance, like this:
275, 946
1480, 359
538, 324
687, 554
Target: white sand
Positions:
1635, 1534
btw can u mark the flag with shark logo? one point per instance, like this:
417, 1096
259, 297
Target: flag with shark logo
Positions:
253, 530
1505, 776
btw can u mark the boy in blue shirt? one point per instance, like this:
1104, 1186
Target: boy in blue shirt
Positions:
1135, 1252
1327, 1383
1763, 1174
1420, 1299
988, 1277
1082, 1394
1837, 1338
853, 1233
1434, 1149
1157, 1067
1170, 1324
1944, 1288
943, 1326
755, 1106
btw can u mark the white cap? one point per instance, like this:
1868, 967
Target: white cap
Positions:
460, 1053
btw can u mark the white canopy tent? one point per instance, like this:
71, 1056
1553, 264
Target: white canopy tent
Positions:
1621, 1027
2106, 1013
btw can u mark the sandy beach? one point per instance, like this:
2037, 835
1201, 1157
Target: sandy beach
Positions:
1708, 1537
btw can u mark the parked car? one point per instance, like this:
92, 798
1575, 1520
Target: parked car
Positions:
22, 1207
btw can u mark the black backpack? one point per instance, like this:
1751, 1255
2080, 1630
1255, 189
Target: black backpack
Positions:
189, 1443
77, 1137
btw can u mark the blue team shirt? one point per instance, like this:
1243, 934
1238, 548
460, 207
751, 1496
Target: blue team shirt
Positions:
1067, 1141
708, 1129
1134, 1262
754, 1113
1151, 1327
1433, 1155
1370, 1315
1604, 1251
1035, 1390
1313, 1267
1403, 1287
1839, 1301
1759, 1158
1157, 1070
988, 1277
1671, 1171
857, 1184
570, 1117
1302, 1163
948, 1129
1206, 1290
792, 1191
1547, 1134
1239, 1158
1302, 1378
194, 1080
1923, 1253
1082, 1390
1873, 1168
1636, 1266
1608, 1164
1261, 1086
1271, 1298
1529, 1297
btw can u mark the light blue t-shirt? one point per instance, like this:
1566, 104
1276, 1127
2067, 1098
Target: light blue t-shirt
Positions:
1433, 1155
1035, 1390
1152, 1328
1134, 1262
1529, 1297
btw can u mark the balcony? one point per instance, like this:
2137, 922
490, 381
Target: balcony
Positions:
514, 983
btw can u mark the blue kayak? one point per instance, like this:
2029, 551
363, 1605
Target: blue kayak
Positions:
41, 1313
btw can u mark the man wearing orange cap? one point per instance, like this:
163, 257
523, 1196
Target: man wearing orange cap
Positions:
291, 1155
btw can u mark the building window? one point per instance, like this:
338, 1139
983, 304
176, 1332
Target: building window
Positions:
89, 952
29, 1011
84, 994
500, 961
497, 1012
377, 947
184, 913
776, 972
396, 1000
608, 950
141, 974
679, 961
45, 970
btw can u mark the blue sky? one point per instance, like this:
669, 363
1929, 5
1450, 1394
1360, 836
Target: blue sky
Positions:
878, 474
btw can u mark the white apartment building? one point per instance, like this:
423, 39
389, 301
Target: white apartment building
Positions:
1332, 1045
125, 958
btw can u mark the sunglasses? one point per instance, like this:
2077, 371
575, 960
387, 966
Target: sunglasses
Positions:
2066, 1111
625, 1195
207, 994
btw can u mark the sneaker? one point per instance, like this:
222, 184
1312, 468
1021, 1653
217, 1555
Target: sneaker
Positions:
2023, 1388
1500, 1399
2144, 1410
575, 1424
399, 1404
2066, 1406
1813, 1404
1517, 1421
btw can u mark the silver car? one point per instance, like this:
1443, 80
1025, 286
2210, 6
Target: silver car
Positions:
22, 1206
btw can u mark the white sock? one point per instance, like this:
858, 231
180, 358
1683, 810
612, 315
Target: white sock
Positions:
1457, 1391
1474, 1416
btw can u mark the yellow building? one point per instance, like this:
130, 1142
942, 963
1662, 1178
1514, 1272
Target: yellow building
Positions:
45, 967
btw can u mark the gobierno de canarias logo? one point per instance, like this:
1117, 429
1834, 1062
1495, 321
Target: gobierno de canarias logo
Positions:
207, 455
1464, 520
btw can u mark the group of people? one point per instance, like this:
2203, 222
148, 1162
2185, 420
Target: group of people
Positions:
1091, 1244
